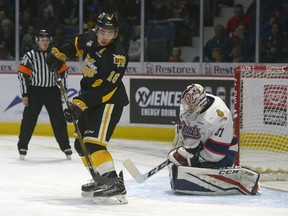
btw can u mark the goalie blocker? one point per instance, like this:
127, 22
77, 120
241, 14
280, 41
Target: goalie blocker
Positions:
226, 181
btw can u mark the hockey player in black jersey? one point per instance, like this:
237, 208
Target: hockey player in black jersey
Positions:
99, 106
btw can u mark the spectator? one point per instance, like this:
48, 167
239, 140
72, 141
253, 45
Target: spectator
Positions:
268, 8
247, 41
9, 6
46, 21
124, 29
238, 18
8, 35
265, 28
134, 49
188, 27
70, 17
238, 53
273, 54
218, 42
28, 40
93, 11
54, 8
27, 19
27, 4
272, 48
60, 37
3, 15
132, 11
4, 52
218, 55
176, 55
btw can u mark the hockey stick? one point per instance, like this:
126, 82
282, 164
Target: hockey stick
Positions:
96, 177
134, 172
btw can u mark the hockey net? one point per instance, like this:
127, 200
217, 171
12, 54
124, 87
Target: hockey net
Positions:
260, 114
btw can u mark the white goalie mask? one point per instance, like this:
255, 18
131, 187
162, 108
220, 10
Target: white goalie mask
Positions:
193, 99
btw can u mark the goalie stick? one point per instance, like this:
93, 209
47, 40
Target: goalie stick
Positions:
96, 177
134, 172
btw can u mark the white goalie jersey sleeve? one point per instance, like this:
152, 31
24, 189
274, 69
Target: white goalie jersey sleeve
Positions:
214, 128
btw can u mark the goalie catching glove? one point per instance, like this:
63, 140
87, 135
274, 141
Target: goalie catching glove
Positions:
55, 59
74, 110
184, 157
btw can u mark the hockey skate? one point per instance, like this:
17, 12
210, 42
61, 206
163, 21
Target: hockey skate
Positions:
68, 153
89, 188
22, 153
106, 194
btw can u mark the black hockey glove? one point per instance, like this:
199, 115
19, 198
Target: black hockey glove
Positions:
72, 112
55, 59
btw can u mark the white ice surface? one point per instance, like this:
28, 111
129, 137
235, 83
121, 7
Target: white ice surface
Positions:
46, 184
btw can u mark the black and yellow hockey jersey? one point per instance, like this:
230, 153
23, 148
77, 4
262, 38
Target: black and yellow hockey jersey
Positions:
103, 69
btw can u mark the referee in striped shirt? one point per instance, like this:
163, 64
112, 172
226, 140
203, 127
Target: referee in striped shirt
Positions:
39, 88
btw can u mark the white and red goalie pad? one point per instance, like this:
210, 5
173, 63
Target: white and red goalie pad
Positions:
226, 181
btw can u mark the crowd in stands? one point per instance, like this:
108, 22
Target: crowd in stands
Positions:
236, 41
61, 19
170, 24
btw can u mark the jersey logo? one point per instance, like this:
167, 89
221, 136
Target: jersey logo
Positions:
89, 69
190, 132
119, 60
89, 43
220, 113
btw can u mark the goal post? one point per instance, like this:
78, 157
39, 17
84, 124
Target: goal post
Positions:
261, 119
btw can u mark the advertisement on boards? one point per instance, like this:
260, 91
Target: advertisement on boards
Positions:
157, 101
11, 106
275, 105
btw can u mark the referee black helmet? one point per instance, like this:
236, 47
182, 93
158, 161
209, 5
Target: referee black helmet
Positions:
42, 34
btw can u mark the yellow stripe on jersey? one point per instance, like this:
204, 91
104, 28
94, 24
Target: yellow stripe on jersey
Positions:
105, 122
78, 51
100, 157
108, 96
97, 82
101, 139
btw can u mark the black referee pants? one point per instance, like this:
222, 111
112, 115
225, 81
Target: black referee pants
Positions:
50, 97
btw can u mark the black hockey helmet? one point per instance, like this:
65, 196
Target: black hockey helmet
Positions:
107, 21
42, 34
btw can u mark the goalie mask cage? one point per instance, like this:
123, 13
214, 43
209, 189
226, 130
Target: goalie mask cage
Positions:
260, 115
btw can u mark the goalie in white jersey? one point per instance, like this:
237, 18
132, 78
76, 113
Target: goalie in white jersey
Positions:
205, 139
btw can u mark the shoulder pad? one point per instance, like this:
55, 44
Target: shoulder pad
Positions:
87, 39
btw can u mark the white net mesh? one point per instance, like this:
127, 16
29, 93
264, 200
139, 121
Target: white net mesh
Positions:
261, 96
